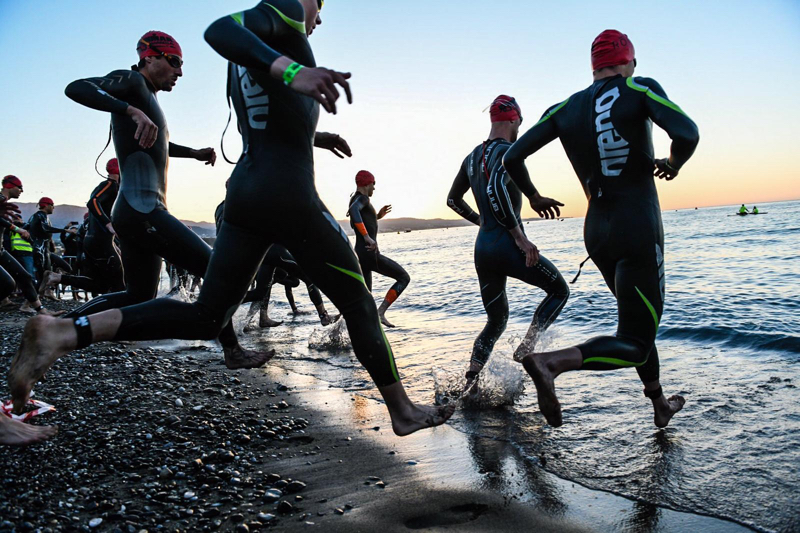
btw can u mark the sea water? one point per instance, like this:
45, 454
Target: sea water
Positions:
729, 342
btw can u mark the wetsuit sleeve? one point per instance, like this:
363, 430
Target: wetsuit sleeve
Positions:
244, 38
455, 198
109, 93
95, 204
355, 214
542, 133
669, 117
500, 199
176, 150
43, 227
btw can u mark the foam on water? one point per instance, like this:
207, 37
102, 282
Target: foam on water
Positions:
333, 337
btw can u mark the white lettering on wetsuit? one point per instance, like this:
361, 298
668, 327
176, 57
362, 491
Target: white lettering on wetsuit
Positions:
257, 106
613, 148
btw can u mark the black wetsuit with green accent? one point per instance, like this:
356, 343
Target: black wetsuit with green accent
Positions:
361, 211
606, 131
271, 198
147, 231
497, 256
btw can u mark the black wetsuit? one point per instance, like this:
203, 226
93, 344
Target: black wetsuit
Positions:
271, 198
12, 274
100, 264
362, 212
147, 231
606, 132
496, 254
41, 236
279, 266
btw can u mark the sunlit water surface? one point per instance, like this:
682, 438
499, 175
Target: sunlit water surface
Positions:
729, 341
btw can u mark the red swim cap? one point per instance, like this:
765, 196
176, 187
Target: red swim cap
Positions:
44, 200
9, 182
112, 167
505, 108
364, 178
154, 42
611, 48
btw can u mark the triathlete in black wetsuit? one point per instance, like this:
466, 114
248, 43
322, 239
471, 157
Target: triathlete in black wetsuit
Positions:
101, 267
278, 266
42, 236
271, 199
501, 248
364, 221
606, 132
146, 230
13, 274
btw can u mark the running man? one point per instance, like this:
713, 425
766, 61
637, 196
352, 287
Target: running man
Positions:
41, 232
146, 229
271, 198
364, 222
501, 248
99, 261
606, 131
12, 274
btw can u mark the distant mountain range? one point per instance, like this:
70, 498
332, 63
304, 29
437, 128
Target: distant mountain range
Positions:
64, 214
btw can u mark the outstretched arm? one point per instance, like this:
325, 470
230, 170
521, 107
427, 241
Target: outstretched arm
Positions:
246, 39
455, 198
204, 154
332, 142
542, 133
672, 119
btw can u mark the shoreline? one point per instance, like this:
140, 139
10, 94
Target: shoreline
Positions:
128, 454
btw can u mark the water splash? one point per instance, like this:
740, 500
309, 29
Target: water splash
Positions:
500, 383
333, 337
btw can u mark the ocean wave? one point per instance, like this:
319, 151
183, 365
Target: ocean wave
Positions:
733, 337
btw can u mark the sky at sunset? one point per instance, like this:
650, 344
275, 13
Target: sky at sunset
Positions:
423, 73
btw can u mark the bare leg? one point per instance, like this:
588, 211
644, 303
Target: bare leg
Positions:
382, 313
544, 368
264, 320
50, 279
664, 408
324, 318
408, 417
16, 433
471, 386
46, 339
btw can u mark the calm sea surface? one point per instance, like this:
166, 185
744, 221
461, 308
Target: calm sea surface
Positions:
729, 342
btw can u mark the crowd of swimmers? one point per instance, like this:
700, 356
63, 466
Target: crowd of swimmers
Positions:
273, 218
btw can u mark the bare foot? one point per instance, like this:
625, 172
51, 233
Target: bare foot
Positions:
265, 321
416, 418
46, 312
545, 389
16, 433
7, 303
527, 345
35, 355
325, 319
49, 280
238, 357
665, 409
385, 322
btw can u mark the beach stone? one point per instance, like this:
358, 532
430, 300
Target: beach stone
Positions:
295, 486
380, 485
273, 495
285, 507
265, 517
94, 522
237, 517
178, 403
242, 528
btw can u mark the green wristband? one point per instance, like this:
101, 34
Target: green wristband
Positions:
290, 72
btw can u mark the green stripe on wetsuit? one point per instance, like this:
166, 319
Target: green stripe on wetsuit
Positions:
661, 100
296, 24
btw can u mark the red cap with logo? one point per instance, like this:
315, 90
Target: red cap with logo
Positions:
505, 108
611, 48
10, 182
112, 167
44, 200
364, 178
153, 43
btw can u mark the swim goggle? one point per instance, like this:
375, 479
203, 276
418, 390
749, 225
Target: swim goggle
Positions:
173, 60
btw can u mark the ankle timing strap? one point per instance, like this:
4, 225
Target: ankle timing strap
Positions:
654, 394
471, 374
84, 331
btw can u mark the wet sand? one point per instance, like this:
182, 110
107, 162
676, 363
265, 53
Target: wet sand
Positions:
164, 437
